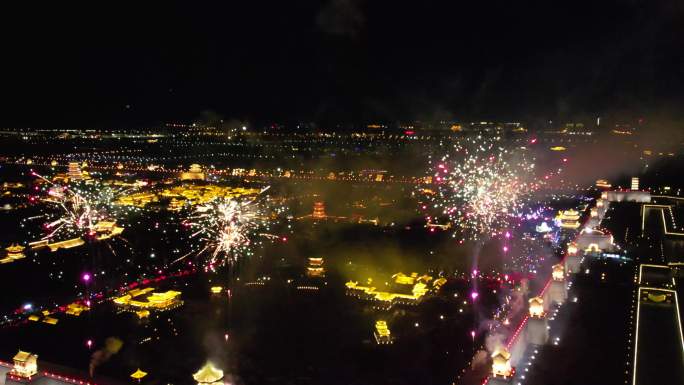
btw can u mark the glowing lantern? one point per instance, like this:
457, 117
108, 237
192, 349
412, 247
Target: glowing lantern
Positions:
536, 307
501, 363
558, 273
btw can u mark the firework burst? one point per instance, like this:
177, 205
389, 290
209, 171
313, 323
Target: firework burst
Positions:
75, 217
78, 208
481, 187
226, 229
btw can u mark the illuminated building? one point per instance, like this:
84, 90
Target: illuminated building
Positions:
628, 196
67, 244
558, 290
191, 195
374, 221
76, 309
382, 333
12, 185
430, 225
594, 241
74, 172
138, 199
14, 252
573, 259
404, 279
160, 301
602, 183
558, 273
635, 184
568, 219
106, 229
25, 365
601, 207
537, 325
155, 301
176, 204
318, 213
38, 244
407, 289
501, 363
142, 314
194, 173
536, 307
318, 210
208, 375
315, 268
102, 230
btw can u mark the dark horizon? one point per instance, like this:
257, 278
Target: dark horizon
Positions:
341, 61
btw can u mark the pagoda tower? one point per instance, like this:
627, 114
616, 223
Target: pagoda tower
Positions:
318, 210
75, 171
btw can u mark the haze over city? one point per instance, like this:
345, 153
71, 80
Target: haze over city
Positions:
342, 192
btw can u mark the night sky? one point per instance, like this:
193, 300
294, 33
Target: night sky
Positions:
338, 60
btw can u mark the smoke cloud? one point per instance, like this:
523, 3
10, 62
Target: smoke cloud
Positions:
111, 347
341, 18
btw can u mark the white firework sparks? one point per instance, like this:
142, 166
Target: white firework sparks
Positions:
481, 186
226, 229
79, 208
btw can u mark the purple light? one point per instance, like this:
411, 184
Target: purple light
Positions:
505, 249
508, 235
86, 277
474, 295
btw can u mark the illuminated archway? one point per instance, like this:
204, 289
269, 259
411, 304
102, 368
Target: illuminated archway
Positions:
593, 247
